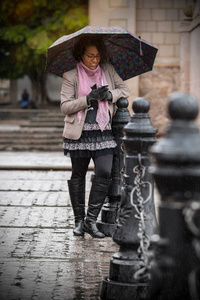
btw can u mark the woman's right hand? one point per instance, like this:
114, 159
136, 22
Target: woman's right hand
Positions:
97, 94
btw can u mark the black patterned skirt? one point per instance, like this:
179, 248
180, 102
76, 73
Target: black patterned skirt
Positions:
92, 143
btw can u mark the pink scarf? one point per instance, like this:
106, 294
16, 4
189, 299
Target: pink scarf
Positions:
87, 78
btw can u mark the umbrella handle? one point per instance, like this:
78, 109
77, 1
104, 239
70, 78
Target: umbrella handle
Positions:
141, 52
101, 77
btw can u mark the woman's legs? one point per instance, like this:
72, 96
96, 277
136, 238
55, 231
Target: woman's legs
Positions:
79, 167
103, 166
98, 193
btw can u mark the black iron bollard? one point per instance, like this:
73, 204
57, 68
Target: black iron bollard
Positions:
175, 272
128, 276
110, 208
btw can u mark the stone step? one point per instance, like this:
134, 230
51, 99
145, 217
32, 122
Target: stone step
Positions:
30, 141
19, 128
51, 113
21, 135
43, 119
12, 147
31, 131
56, 113
34, 123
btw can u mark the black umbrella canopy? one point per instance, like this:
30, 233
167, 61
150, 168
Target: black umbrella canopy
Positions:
129, 54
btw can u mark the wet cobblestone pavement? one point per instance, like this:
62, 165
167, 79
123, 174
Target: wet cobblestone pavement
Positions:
39, 256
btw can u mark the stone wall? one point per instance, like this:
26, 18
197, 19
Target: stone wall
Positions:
159, 22
156, 87
190, 54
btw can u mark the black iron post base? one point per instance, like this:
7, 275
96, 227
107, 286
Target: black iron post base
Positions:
122, 284
107, 225
112, 290
176, 261
106, 228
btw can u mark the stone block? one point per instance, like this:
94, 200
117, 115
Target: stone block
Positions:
151, 26
140, 4
146, 36
172, 14
181, 14
175, 26
165, 26
143, 14
172, 38
166, 50
179, 3
166, 4
118, 3
150, 4
119, 22
141, 26
158, 38
158, 14
177, 51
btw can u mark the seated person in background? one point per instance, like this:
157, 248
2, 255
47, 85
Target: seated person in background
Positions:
25, 99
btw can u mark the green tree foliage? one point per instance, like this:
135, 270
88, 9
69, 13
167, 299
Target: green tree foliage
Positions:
29, 27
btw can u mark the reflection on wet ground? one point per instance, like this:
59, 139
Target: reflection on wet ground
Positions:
39, 256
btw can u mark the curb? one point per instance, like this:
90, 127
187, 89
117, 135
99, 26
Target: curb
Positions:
40, 168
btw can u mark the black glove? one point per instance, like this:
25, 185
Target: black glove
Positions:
107, 96
92, 103
96, 94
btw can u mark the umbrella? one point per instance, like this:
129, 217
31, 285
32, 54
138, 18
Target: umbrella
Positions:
129, 54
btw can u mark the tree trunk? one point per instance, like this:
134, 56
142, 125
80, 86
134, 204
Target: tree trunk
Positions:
34, 90
13, 93
38, 88
42, 84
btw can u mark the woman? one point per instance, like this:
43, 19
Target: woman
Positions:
87, 100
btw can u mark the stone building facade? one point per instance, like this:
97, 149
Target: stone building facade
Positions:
159, 22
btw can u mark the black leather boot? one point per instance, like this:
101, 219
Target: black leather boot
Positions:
98, 194
77, 194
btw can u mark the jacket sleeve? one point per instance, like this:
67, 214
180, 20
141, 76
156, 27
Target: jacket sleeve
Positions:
121, 89
70, 104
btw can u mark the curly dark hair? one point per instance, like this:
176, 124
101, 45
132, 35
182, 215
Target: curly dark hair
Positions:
84, 42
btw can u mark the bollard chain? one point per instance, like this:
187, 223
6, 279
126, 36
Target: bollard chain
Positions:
144, 265
189, 215
122, 171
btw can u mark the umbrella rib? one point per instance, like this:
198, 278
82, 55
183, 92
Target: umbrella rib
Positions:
124, 47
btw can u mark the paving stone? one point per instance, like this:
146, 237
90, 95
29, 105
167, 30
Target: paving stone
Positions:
40, 259
35, 161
